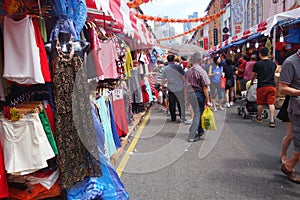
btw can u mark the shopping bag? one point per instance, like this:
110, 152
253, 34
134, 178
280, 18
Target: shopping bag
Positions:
208, 120
160, 97
223, 82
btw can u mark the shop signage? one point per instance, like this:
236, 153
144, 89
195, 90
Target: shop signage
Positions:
225, 30
225, 37
216, 42
205, 43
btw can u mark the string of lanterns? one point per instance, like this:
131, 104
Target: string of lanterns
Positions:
136, 3
190, 31
170, 20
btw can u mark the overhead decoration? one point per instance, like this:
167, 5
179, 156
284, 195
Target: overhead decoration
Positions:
136, 3
170, 20
190, 31
163, 47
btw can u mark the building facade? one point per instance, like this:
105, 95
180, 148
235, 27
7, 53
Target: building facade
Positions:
271, 9
189, 26
214, 27
226, 20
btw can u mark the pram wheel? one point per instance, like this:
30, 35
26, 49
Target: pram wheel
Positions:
239, 111
265, 114
243, 113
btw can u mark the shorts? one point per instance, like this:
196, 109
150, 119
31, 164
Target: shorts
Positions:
283, 114
296, 131
266, 95
229, 84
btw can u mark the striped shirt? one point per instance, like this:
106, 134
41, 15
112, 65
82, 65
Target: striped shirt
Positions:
196, 78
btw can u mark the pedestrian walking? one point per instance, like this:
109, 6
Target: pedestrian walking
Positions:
283, 115
228, 70
173, 74
215, 74
240, 73
161, 88
290, 85
249, 68
264, 70
197, 82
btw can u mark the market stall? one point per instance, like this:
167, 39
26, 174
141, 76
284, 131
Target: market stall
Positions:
67, 96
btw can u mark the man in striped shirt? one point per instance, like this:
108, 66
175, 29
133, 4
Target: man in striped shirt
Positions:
197, 82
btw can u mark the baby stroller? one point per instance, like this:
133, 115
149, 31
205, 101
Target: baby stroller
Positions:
249, 106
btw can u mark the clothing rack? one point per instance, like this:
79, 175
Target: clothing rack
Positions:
26, 97
32, 8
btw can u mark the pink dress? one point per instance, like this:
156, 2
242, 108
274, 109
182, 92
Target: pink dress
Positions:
109, 56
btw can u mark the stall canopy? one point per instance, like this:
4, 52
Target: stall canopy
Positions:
272, 21
264, 28
117, 17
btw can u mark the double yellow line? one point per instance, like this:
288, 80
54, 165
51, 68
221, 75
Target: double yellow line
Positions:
131, 147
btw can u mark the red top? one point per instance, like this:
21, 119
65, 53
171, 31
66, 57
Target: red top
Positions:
43, 55
241, 68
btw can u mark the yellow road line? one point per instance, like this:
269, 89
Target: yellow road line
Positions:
130, 149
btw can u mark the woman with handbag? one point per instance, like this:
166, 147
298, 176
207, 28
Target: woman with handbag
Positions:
229, 86
215, 73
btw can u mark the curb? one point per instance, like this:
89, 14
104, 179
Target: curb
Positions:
138, 118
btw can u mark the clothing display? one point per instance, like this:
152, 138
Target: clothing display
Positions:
48, 131
26, 69
134, 86
93, 59
74, 161
113, 126
59, 130
120, 116
103, 112
108, 57
2, 93
109, 186
25, 145
128, 62
3, 182
35, 192
42, 52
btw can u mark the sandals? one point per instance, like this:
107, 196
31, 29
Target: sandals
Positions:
290, 174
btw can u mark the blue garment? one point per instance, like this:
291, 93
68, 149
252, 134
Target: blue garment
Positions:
99, 129
107, 187
216, 78
72, 16
103, 112
114, 127
148, 89
197, 101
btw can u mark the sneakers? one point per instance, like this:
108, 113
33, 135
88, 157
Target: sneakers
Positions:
272, 123
194, 139
231, 103
257, 119
227, 105
186, 122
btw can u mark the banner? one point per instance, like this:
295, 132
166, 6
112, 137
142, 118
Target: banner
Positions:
137, 3
192, 30
170, 20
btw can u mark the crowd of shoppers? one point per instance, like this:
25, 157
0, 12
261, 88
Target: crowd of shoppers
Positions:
196, 83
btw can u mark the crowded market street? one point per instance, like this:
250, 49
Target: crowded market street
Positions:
149, 99
238, 161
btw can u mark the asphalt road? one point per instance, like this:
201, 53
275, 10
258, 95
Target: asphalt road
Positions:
238, 161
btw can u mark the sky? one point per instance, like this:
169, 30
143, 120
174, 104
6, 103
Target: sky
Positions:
175, 9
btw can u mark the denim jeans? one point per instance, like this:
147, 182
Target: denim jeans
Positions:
197, 101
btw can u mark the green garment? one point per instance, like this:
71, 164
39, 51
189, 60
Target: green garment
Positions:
48, 131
